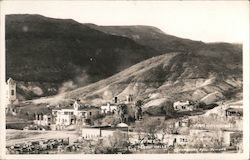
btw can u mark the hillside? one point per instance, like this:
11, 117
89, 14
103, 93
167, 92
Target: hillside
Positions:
169, 77
49, 56
165, 43
151, 36
41, 49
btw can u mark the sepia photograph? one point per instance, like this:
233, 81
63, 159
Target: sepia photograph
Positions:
124, 79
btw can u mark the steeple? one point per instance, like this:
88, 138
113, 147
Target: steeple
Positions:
11, 91
76, 104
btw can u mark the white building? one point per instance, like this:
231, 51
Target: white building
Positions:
44, 120
95, 133
70, 115
183, 106
109, 108
11, 98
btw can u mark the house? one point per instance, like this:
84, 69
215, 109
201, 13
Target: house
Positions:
227, 137
103, 131
183, 106
44, 120
71, 115
182, 123
129, 99
231, 138
236, 113
11, 96
176, 139
95, 133
109, 108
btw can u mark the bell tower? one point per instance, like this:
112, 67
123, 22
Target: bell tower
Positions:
11, 91
76, 105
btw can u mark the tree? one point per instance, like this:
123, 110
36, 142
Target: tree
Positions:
167, 127
150, 127
168, 109
139, 103
122, 110
111, 120
112, 144
138, 109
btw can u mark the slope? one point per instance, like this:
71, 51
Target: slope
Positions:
166, 78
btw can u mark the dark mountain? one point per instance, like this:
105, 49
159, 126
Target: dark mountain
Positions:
164, 43
40, 49
151, 36
59, 54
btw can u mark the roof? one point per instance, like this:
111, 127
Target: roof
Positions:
10, 81
122, 125
235, 110
81, 108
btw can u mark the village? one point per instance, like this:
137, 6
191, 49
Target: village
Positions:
122, 126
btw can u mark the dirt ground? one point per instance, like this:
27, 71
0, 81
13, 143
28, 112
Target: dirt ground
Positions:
20, 136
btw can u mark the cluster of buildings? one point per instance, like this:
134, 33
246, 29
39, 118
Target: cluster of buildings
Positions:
79, 113
128, 111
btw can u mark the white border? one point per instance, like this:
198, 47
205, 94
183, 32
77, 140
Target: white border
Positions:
246, 88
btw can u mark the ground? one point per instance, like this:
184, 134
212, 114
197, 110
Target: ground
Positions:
20, 136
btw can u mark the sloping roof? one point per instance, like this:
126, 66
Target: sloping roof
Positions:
10, 81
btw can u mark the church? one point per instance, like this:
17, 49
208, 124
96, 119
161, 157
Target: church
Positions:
11, 95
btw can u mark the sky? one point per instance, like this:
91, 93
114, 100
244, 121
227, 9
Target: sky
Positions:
206, 21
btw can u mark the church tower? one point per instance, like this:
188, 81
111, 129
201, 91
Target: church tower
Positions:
76, 105
11, 91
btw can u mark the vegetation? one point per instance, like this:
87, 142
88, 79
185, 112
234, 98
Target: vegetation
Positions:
113, 144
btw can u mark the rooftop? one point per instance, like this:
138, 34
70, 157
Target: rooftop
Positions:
235, 110
81, 108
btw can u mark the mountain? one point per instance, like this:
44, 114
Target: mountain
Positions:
48, 56
151, 36
165, 43
46, 50
166, 78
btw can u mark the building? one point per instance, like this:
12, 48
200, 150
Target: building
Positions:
129, 99
236, 113
176, 140
103, 132
227, 138
232, 138
11, 96
44, 120
183, 106
109, 108
182, 123
71, 115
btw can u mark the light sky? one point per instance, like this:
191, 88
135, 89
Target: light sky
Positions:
206, 21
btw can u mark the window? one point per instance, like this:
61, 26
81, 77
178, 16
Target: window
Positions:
90, 113
12, 92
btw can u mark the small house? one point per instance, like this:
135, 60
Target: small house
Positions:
234, 113
183, 106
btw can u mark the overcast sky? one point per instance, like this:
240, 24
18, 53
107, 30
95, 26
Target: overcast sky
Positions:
205, 21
